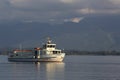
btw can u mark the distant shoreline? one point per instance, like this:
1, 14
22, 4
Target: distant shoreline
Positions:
105, 53
76, 52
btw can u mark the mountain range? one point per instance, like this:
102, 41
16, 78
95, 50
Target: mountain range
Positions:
90, 34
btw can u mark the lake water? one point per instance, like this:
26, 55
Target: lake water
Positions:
72, 68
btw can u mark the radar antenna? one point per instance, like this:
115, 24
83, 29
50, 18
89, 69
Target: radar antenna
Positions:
49, 40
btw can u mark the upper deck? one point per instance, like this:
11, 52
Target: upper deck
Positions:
49, 45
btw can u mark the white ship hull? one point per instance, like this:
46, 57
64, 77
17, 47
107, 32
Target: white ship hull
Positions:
43, 58
36, 60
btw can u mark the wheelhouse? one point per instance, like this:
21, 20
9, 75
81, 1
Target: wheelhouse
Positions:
49, 46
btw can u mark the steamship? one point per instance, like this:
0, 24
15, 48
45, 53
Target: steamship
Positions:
47, 52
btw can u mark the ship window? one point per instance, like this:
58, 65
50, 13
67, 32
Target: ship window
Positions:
53, 46
54, 52
58, 51
50, 46
16, 54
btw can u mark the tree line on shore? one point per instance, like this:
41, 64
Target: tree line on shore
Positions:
76, 52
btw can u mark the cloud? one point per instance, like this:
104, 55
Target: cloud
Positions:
115, 1
35, 5
85, 11
75, 20
68, 1
44, 10
96, 11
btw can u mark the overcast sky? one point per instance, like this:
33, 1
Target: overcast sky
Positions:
56, 10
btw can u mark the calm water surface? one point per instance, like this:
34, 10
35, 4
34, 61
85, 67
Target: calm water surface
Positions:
73, 68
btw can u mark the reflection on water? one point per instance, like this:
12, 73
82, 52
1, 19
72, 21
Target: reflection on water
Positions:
32, 71
73, 68
53, 70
